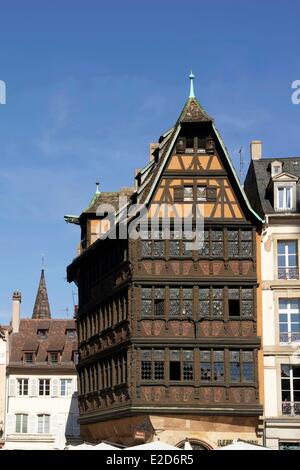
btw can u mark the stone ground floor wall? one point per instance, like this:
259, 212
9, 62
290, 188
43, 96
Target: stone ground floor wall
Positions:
282, 431
209, 431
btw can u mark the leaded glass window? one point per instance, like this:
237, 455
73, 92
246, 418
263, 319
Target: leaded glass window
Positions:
201, 193
152, 364
218, 363
188, 193
212, 366
246, 243
188, 370
217, 243
248, 366
235, 370
217, 303
211, 302
146, 302
205, 366
146, 370
146, 247
174, 301
174, 243
204, 250
187, 302
233, 243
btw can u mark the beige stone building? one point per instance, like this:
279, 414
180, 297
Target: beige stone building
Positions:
3, 362
272, 186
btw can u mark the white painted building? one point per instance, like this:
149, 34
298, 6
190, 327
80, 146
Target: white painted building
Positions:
41, 394
272, 185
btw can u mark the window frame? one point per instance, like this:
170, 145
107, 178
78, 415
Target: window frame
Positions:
22, 385
45, 387
288, 311
23, 423
45, 424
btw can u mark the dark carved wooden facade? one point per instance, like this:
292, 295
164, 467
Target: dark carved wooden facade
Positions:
163, 328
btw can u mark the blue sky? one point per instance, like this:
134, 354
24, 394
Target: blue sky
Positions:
91, 83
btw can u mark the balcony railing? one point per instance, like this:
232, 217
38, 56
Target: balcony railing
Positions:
291, 408
289, 338
288, 273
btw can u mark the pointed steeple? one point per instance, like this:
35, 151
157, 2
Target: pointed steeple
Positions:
41, 307
193, 111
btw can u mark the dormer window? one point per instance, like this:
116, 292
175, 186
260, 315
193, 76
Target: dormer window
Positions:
54, 358
285, 197
276, 168
71, 333
42, 334
29, 358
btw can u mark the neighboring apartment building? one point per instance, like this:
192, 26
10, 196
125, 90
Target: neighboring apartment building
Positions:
272, 186
41, 377
3, 361
169, 334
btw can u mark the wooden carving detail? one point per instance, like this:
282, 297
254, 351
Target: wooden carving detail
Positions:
158, 326
217, 267
247, 328
217, 328
175, 266
234, 328
187, 266
147, 327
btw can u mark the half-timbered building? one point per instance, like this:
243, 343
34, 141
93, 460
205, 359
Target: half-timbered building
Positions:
169, 332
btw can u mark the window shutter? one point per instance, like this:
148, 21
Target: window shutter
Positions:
54, 424
178, 194
76, 426
55, 387
32, 424
10, 424
33, 387
12, 387
211, 193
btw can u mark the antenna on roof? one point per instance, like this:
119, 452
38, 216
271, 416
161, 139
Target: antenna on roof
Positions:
241, 164
43, 260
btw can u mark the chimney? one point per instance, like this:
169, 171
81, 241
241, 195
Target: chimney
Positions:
16, 307
256, 150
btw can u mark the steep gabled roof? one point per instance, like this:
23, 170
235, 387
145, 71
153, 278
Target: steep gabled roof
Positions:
192, 112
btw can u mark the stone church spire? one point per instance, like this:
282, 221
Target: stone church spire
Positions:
41, 307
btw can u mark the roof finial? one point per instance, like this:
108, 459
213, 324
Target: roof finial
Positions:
191, 77
97, 187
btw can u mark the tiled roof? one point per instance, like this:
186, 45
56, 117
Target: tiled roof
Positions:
27, 339
111, 198
258, 178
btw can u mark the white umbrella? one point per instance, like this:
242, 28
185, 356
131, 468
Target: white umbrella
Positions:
187, 445
156, 445
83, 446
100, 446
242, 445
105, 446
60, 438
